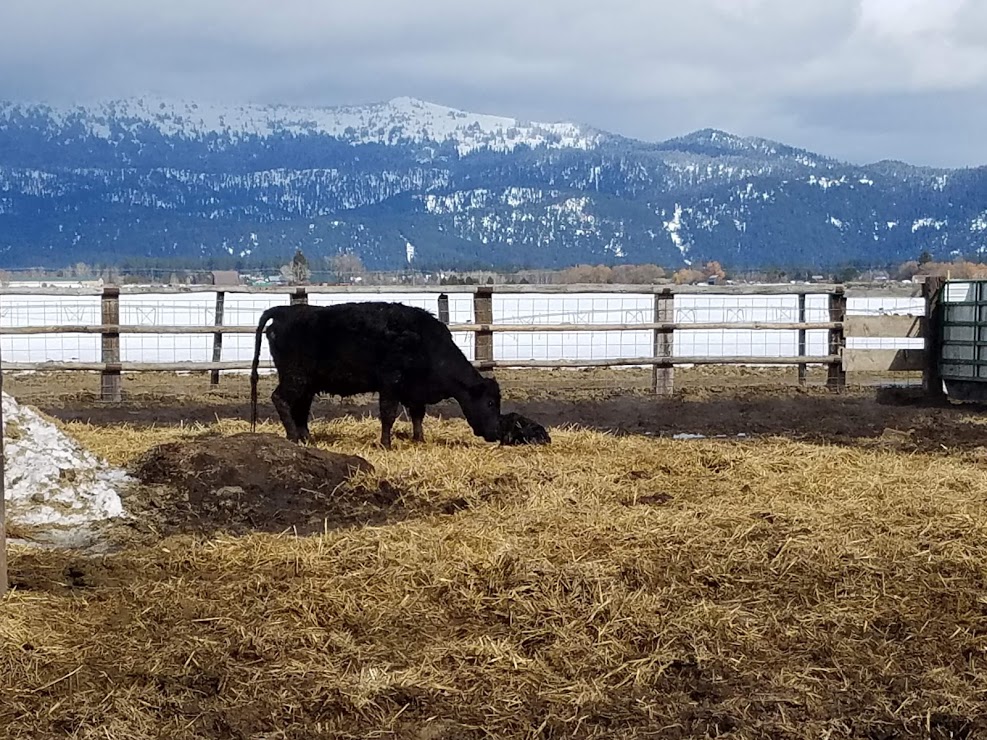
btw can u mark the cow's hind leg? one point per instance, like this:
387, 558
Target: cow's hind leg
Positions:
300, 410
284, 398
389, 408
417, 413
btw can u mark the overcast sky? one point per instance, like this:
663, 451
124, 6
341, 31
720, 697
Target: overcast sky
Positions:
861, 80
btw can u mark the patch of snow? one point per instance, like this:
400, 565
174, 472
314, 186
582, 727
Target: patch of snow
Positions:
673, 227
573, 209
836, 222
826, 182
49, 478
925, 223
979, 223
409, 251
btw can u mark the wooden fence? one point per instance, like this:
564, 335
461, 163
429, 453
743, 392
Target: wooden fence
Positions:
839, 360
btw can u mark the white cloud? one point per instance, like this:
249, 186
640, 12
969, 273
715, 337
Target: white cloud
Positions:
651, 69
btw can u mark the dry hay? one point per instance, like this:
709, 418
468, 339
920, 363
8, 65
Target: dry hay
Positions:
600, 587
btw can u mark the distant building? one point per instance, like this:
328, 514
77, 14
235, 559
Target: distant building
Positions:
225, 277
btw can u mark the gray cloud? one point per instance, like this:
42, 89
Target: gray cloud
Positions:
856, 79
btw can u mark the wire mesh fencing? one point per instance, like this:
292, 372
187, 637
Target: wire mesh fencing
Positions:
610, 310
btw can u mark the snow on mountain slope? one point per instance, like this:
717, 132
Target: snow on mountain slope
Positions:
400, 119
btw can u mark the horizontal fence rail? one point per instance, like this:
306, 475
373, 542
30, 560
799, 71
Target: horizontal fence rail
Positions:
901, 291
464, 328
480, 365
655, 304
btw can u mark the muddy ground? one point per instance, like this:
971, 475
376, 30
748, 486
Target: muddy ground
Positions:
707, 401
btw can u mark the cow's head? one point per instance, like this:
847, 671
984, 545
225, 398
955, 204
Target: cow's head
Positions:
520, 430
481, 406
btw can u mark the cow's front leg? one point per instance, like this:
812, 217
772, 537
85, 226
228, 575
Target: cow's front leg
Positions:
389, 408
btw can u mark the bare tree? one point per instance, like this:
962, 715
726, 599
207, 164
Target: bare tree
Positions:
687, 275
637, 274
345, 265
587, 274
713, 269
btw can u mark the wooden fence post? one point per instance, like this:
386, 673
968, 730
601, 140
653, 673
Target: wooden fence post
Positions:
110, 380
300, 296
932, 331
663, 374
836, 376
444, 308
803, 368
3, 493
217, 338
483, 314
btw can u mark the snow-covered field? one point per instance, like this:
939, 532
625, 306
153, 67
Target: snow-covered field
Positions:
188, 309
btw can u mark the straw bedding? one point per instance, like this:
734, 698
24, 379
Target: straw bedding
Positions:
599, 587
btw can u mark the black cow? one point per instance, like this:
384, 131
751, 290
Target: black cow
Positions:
520, 430
403, 353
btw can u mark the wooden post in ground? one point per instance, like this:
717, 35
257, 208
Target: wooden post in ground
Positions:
3, 493
663, 374
803, 368
110, 381
444, 308
836, 376
299, 296
483, 314
932, 331
217, 338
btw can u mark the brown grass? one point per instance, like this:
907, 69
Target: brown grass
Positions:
601, 587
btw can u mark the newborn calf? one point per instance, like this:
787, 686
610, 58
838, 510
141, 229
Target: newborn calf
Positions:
520, 430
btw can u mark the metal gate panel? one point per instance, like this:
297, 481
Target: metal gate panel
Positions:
963, 352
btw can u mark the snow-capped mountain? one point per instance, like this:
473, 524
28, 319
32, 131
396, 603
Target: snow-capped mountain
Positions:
398, 121
409, 181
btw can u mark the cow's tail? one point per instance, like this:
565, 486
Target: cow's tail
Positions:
264, 318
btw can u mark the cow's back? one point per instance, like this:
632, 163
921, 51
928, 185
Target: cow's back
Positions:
358, 347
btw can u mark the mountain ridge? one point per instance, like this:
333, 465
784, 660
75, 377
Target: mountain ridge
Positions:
152, 179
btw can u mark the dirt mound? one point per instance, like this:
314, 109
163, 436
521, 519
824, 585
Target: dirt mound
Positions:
252, 482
